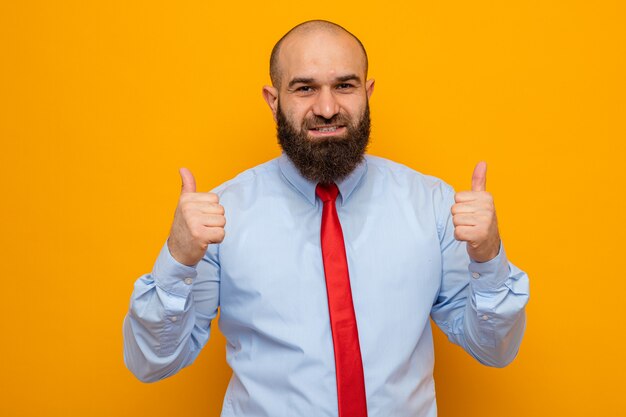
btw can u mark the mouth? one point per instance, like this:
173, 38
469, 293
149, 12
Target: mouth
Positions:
327, 130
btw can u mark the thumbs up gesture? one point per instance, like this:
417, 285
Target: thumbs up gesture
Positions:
474, 218
199, 221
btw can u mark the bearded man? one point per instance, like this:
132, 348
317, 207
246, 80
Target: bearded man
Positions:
332, 261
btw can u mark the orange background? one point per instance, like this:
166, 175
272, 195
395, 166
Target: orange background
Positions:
101, 102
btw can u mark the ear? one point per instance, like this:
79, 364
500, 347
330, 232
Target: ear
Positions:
270, 94
369, 87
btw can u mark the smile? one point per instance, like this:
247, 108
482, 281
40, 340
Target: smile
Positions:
326, 130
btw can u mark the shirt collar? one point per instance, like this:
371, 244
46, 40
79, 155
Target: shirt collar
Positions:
306, 187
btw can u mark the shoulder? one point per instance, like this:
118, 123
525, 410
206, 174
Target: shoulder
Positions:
424, 193
388, 170
250, 178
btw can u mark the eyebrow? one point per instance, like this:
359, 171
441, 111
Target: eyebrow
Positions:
350, 77
300, 80
343, 78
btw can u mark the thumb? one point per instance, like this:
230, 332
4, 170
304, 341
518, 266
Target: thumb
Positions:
189, 182
479, 177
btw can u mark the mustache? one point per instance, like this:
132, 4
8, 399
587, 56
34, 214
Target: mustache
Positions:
338, 119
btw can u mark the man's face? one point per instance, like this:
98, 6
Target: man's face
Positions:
321, 108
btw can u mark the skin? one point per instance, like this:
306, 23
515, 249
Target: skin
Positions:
474, 218
323, 73
198, 222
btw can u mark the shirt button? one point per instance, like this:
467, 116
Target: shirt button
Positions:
188, 281
485, 317
475, 275
174, 318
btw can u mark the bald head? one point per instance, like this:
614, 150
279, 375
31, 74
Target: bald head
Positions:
310, 28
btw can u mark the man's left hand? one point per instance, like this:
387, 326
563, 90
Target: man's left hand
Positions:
474, 218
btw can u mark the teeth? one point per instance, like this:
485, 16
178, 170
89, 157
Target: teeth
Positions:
327, 129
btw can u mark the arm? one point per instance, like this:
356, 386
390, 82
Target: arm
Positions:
170, 315
171, 309
480, 305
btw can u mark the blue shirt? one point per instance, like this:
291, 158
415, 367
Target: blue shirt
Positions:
267, 279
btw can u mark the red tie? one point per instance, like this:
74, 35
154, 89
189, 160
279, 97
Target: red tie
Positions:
348, 363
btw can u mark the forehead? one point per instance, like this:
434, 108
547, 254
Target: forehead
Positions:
319, 55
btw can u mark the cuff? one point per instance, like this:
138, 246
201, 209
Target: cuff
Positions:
172, 276
491, 274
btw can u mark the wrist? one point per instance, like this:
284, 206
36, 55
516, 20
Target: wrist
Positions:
485, 254
181, 256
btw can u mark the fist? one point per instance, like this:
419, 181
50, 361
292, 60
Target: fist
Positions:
198, 222
474, 218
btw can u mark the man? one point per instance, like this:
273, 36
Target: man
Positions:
332, 262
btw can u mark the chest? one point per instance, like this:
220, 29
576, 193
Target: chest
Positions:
272, 268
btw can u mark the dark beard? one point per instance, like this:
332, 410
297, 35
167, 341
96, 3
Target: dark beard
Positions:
326, 160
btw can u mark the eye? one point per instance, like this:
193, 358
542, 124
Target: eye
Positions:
344, 86
304, 89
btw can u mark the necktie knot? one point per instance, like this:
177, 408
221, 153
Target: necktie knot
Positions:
327, 192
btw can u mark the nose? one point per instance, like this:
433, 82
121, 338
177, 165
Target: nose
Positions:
325, 104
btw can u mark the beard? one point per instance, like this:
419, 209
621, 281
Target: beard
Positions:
324, 160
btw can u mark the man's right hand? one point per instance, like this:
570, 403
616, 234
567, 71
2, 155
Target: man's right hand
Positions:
199, 221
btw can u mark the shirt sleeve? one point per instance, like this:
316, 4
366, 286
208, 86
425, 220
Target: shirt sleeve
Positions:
170, 315
480, 306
